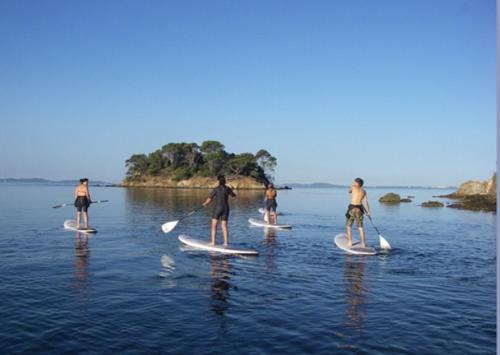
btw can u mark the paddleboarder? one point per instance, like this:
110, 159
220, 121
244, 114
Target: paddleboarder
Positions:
357, 208
82, 202
220, 196
271, 204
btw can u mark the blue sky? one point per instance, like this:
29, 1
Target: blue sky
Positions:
398, 92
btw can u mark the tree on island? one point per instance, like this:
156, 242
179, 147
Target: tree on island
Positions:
180, 161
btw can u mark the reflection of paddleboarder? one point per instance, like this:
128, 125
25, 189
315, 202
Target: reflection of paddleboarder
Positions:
81, 262
220, 286
353, 281
220, 196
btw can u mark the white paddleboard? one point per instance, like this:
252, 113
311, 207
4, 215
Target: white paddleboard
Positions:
341, 241
202, 244
263, 211
260, 223
71, 225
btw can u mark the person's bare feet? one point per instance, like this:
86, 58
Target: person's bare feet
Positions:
225, 245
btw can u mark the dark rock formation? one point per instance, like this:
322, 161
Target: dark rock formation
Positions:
432, 204
390, 198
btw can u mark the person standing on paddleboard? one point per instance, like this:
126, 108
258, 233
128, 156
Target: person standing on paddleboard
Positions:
357, 208
82, 202
271, 204
220, 196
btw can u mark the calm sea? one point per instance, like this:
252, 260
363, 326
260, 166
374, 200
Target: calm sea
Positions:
132, 289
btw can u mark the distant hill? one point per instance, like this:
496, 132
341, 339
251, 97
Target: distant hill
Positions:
326, 185
317, 185
41, 181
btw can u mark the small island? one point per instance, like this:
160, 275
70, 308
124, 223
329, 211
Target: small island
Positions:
189, 165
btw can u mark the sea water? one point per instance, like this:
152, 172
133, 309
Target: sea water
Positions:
132, 289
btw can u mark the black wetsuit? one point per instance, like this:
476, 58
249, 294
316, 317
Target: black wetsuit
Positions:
82, 203
220, 196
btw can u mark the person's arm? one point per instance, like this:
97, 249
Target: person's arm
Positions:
76, 192
88, 194
366, 205
207, 201
231, 192
210, 198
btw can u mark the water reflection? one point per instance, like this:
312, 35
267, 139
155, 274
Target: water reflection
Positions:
220, 286
179, 201
271, 244
82, 259
355, 291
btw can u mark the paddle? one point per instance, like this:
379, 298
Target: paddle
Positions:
169, 226
384, 244
72, 204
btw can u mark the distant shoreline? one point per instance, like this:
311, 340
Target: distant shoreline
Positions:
100, 183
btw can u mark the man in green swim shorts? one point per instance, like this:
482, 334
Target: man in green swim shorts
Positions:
357, 208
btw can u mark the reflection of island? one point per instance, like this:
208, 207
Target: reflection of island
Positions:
353, 281
219, 272
81, 263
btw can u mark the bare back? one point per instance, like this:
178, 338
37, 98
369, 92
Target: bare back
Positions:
357, 195
81, 190
271, 194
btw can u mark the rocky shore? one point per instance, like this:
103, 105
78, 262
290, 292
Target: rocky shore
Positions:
475, 195
238, 182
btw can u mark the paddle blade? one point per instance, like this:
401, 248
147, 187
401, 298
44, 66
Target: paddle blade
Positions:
384, 244
167, 227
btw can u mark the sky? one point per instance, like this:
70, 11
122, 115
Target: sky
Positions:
397, 92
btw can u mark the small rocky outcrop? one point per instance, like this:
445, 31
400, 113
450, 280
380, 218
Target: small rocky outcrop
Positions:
390, 198
432, 204
476, 195
405, 200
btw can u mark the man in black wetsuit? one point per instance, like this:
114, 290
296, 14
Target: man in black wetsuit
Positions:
220, 196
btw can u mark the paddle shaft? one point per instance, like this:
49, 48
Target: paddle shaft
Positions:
190, 213
374, 226
71, 204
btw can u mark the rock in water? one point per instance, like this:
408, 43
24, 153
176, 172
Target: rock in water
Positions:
390, 198
405, 200
469, 188
432, 204
476, 195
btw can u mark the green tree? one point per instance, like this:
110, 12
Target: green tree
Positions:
267, 162
208, 147
137, 164
241, 164
155, 163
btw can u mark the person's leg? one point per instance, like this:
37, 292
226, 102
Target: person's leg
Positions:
266, 216
349, 236
225, 232
362, 236
275, 216
214, 230
359, 223
86, 219
78, 214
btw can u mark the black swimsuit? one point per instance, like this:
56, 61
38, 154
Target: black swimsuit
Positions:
82, 203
